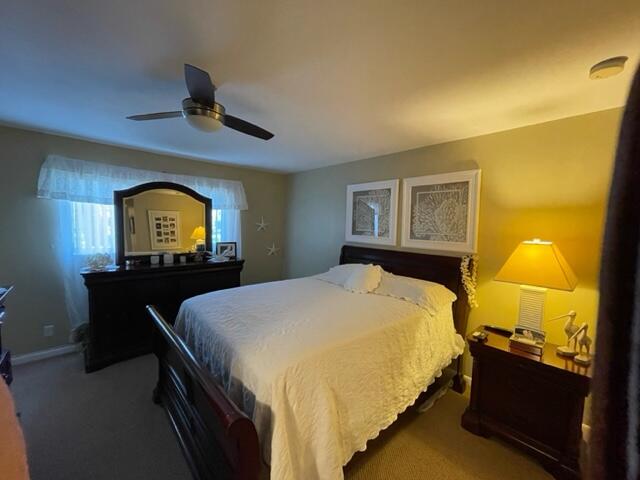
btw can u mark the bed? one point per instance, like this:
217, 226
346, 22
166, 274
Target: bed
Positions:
280, 372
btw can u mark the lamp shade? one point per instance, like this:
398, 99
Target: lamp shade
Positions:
538, 263
198, 234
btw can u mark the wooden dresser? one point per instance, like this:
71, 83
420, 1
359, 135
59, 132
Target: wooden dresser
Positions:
535, 403
119, 326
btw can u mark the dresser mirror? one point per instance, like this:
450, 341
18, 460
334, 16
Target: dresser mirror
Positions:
158, 218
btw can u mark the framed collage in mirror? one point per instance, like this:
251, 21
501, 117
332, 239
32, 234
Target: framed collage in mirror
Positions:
165, 228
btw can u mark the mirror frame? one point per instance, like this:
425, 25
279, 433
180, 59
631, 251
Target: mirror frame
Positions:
120, 195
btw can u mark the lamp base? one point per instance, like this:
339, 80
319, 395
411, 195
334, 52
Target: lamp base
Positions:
531, 311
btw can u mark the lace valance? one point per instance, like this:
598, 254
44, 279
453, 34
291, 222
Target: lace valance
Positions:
82, 181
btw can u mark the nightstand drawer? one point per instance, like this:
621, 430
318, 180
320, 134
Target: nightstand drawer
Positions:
514, 396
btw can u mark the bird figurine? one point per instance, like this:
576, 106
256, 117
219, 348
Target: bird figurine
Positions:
584, 342
570, 328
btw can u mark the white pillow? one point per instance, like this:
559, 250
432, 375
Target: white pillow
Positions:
355, 277
364, 280
428, 295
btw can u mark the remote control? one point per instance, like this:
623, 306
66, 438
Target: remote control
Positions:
505, 332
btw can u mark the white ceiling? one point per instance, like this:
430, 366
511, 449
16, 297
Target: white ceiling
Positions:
335, 80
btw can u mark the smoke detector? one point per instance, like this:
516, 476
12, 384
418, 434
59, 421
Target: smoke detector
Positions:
607, 68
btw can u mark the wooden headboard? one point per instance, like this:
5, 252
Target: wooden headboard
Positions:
435, 268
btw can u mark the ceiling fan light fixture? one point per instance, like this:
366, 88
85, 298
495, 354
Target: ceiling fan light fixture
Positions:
204, 123
201, 117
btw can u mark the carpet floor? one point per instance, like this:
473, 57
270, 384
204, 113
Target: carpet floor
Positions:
103, 426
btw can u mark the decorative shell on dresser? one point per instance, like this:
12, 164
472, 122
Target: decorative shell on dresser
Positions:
98, 261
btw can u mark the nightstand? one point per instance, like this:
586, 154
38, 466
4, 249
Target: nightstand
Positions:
5, 356
535, 403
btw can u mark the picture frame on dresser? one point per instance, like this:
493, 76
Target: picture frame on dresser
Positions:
441, 212
227, 250
372, 212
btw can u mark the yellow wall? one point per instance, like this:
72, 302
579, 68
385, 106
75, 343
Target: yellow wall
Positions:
549, 181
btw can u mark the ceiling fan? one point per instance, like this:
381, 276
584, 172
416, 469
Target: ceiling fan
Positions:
201, 109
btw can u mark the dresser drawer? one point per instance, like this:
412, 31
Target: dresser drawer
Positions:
119, 325
511, 394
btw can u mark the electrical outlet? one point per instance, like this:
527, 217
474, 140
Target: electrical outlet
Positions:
47, 330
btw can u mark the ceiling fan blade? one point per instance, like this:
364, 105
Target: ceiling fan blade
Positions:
246, 127
155, 116
201, 88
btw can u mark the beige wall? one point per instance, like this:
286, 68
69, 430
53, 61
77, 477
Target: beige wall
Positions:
27, 225
549, 180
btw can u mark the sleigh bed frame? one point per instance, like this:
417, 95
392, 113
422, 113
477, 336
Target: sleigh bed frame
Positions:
218, 440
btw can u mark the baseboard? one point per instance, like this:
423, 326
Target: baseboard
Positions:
43, 354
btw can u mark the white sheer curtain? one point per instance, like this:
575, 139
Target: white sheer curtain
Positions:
83, 229
226, 228
83, 192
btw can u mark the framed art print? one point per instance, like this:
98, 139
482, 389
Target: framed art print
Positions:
226, 249
164, 229
372, 212
440, 212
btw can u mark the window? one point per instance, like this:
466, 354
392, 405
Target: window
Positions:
216, 226
92, 228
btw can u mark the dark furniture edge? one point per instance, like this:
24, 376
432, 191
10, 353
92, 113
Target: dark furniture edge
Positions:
6, 371
111, 274
119, 195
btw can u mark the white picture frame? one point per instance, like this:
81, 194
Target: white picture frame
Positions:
372, 212
164, 229
441, 212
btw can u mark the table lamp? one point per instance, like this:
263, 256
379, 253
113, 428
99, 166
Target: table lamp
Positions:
536, 265
199, 234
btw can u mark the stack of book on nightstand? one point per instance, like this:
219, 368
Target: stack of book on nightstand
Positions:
528, 340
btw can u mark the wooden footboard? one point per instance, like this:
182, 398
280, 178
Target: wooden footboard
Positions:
218, 440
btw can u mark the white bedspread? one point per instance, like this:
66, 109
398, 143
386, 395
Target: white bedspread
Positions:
319, 369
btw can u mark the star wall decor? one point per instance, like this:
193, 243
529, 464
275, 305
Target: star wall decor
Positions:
262, 225
272, 250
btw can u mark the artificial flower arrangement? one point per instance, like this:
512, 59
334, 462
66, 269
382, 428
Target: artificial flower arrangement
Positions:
469, 270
